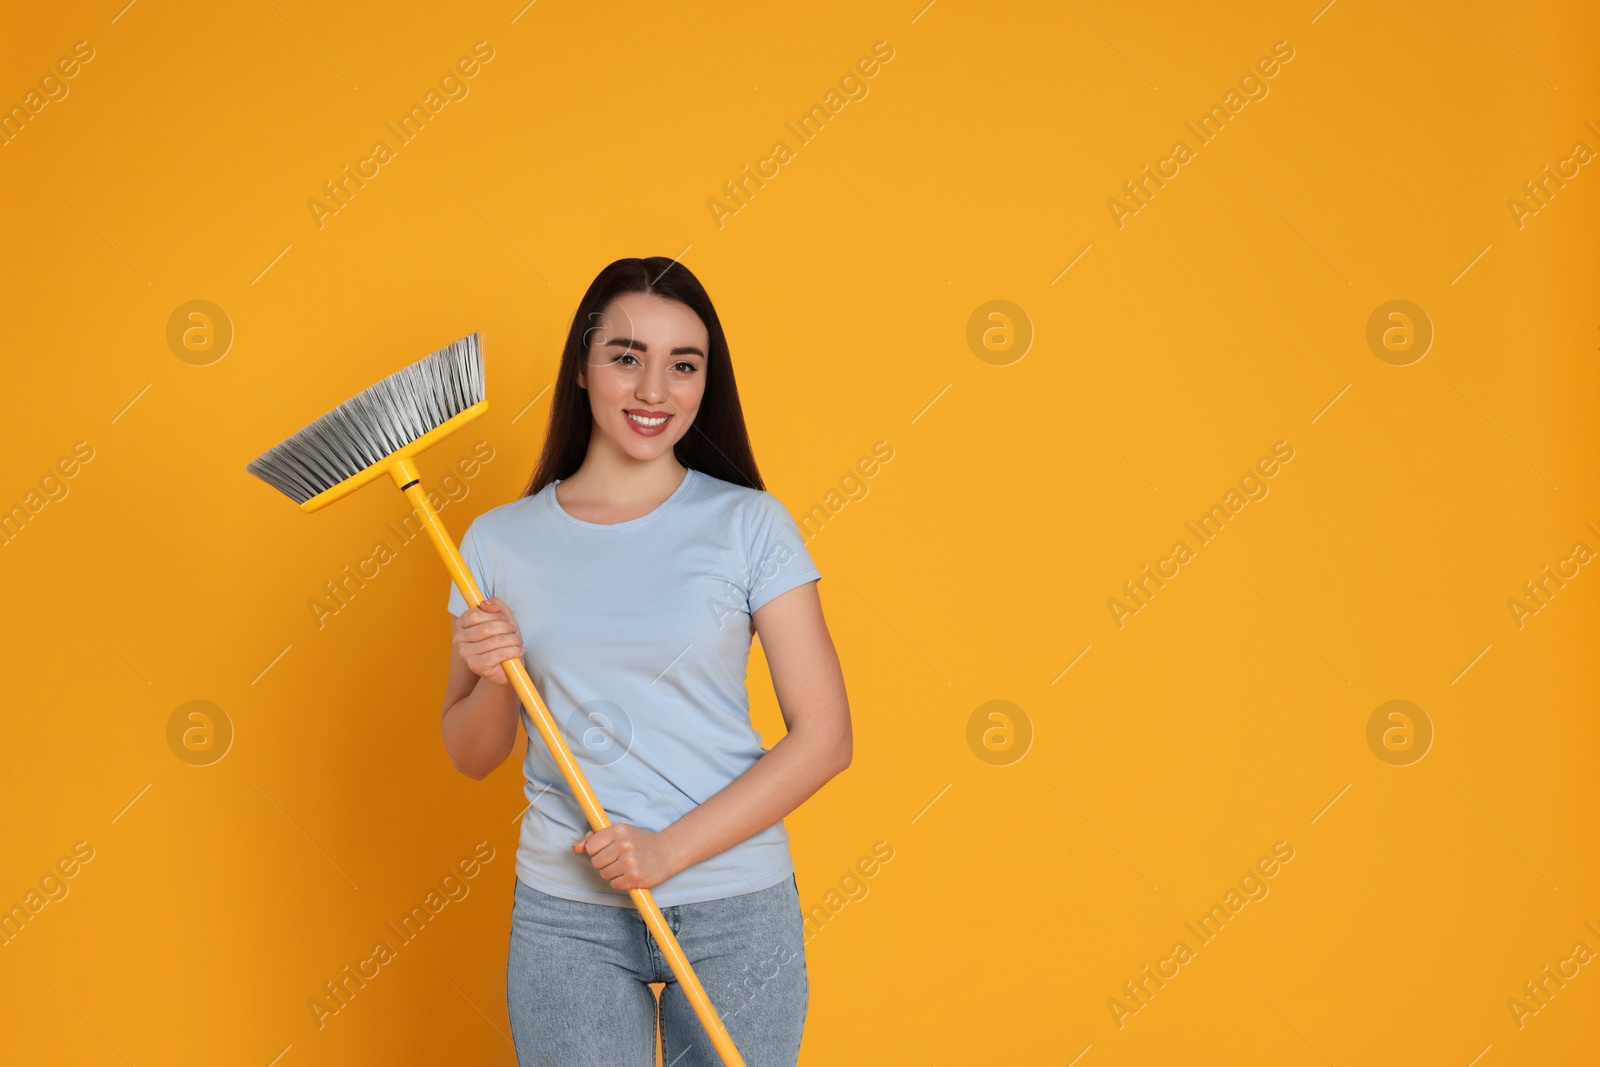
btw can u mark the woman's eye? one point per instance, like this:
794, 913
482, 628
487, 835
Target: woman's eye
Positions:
683, 366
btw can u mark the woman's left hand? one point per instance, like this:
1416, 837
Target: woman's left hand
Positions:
628, 857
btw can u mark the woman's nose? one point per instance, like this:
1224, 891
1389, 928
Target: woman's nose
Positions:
650, 388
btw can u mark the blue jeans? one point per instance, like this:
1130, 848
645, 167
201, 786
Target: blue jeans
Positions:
578, 974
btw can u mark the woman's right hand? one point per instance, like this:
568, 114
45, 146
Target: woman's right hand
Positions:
486, 637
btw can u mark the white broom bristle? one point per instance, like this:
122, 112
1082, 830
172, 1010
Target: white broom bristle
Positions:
376, 422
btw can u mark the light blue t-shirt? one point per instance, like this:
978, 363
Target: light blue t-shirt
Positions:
638, 639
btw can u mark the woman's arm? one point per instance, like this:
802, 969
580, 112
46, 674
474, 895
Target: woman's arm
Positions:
810, 687
479, 721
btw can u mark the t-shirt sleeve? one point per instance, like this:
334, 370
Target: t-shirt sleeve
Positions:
777, 560
469, 552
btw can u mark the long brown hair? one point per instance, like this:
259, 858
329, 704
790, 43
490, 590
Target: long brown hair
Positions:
717, 442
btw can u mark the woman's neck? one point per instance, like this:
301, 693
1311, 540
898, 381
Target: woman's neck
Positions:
610, 489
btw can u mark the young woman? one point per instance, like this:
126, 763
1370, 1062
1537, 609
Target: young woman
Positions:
630, 577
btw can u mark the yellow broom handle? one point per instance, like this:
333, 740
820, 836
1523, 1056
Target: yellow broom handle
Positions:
404, 472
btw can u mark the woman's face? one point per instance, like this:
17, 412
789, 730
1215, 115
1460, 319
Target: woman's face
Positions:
645, 372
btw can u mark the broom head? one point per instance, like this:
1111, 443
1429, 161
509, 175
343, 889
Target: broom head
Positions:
360, 440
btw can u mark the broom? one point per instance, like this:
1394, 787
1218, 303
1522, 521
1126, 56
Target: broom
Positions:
381, 431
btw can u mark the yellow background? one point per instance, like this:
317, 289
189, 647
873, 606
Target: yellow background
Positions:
1226, 315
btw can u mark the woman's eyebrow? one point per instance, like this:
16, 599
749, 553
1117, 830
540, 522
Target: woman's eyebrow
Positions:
634, 342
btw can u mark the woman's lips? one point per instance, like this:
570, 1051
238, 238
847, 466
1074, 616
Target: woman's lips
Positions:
647, 431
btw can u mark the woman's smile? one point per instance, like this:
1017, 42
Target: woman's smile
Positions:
647, 423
